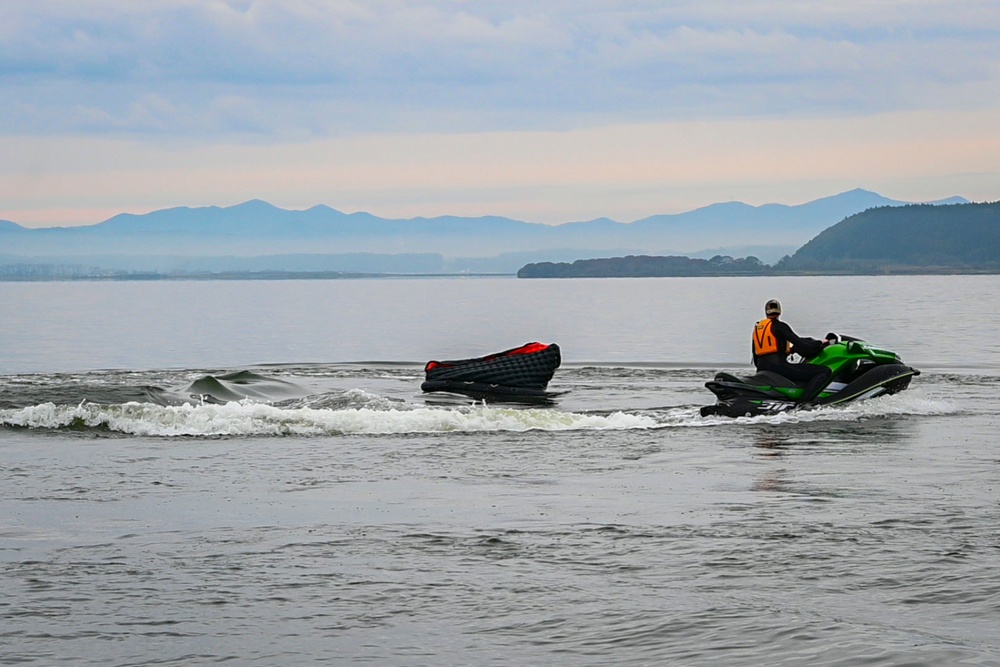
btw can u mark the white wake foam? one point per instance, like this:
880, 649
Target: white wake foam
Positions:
884, 406
359, 412
248, 418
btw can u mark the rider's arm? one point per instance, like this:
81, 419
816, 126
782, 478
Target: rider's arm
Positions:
804, 347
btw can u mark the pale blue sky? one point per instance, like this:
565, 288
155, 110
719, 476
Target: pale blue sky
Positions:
547, 111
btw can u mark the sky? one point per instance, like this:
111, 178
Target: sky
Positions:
546, 111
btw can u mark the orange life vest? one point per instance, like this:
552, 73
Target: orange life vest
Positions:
764, 340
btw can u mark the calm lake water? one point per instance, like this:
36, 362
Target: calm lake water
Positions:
337, 515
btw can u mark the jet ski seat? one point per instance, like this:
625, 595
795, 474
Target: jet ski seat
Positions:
759, 379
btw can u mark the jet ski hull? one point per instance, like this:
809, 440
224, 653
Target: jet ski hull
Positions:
752, 397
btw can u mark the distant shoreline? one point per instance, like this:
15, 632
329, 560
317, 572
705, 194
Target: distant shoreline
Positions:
339, 275
241, 275
899, 271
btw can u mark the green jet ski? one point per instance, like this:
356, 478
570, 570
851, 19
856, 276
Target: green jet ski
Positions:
859, 371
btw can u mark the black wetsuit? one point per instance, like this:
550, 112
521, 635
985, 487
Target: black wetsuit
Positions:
814, 377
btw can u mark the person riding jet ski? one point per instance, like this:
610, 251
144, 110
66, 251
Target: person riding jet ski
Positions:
774, 340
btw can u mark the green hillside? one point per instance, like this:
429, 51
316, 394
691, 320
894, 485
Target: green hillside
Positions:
959, 237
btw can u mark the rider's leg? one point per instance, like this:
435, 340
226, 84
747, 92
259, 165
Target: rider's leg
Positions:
814, 377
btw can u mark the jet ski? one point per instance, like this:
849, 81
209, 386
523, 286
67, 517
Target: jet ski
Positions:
859, 371
520, 374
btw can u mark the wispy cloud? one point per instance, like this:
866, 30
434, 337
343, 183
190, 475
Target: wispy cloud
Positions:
287, 67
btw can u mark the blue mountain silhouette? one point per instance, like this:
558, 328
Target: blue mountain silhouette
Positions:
256, 228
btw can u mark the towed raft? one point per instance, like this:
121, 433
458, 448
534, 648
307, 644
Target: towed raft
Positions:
859, 371
520, 374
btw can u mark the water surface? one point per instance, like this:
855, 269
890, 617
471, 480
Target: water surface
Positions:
324, 511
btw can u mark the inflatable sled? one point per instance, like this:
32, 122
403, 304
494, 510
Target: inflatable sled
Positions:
520, 374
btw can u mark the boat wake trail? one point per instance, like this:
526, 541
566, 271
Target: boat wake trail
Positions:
367, 414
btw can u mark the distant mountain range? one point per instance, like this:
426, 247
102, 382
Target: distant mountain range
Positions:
257, 236
918, 238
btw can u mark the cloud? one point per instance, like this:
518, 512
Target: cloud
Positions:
293, 68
